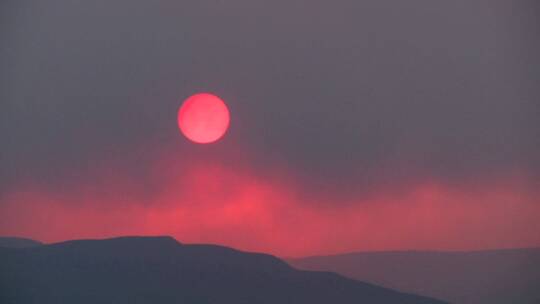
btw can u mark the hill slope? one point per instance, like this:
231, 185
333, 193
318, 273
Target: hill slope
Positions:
160, 270
17, 242
498, 276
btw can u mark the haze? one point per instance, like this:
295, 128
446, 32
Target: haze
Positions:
358, 125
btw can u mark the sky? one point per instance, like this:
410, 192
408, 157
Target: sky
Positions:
355, 125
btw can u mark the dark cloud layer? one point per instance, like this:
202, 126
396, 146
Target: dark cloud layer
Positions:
342, 92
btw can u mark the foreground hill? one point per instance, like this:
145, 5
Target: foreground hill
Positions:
161, 270
17, 242
498, 276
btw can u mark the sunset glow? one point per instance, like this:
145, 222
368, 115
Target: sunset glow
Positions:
203, 201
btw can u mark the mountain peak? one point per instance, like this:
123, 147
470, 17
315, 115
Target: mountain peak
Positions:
126, 240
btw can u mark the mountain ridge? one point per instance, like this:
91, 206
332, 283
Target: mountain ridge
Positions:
465, 277
398, 251
162, 270
18, 242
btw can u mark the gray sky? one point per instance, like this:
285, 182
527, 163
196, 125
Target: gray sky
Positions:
337, 91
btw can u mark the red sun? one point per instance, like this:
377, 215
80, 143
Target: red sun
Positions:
203, 118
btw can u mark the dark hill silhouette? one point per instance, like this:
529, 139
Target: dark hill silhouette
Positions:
160, 270
479, 277
17, 242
